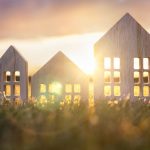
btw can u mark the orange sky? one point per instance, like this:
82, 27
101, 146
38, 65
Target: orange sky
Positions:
40, 28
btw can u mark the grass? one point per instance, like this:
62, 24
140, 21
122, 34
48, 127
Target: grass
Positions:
107, 126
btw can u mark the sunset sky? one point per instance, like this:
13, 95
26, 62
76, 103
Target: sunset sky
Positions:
40, 28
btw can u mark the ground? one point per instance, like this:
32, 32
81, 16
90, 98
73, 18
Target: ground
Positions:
107, 126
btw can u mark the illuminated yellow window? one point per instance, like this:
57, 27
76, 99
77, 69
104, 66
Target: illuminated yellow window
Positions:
17, 90
116, 63
77, 99
52, 98
136, 63
77, 88
107, 90
8, 90
42, 88
107, 76
17, 76
145, 77
146, 91
50, 88
68, 88
68, 99
116, 76
91, 89
55, 87
43, 99
145, 63
136, 91
116, 90
107, 63
136, 77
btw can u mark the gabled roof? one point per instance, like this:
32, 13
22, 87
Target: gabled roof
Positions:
13, 52
58, 63
125, 25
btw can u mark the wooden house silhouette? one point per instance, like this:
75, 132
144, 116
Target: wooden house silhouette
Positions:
14, 75
123, 59
60, 79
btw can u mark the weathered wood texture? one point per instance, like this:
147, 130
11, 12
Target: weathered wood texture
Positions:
13, 61
126, 40
60, 69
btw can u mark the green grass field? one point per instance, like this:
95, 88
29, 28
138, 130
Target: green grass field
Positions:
107, 126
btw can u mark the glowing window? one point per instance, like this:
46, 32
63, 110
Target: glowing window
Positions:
116, 76
116, 90
17, 90
52, 98
136, 63
68, 88
136, 91
68, 99
91, 88
55, 88
145, 63
107, 90
77, 88
107, 63
42, 88
136, 77
17, 76
50, 88
145, 91
8, 90
107, 76
77, 99
116, 63
145, 77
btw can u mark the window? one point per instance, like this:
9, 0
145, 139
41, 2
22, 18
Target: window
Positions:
145, 91
145, 63
107, 76
68, 99
17, 89
107, 63
77, 99
7, 88
112, 76
145, 77
7, 76
116, 63
17, 76
136, 77
42, 88
136, 63
116, 76
116, 90
68, 88
136, 91
55, 88
77, 88
50, 88
107, 90
141, 76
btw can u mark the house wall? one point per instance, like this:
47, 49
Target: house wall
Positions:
126, 40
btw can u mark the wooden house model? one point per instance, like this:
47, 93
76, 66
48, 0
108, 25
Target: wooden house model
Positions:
123, 61
14, 75
60, 79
